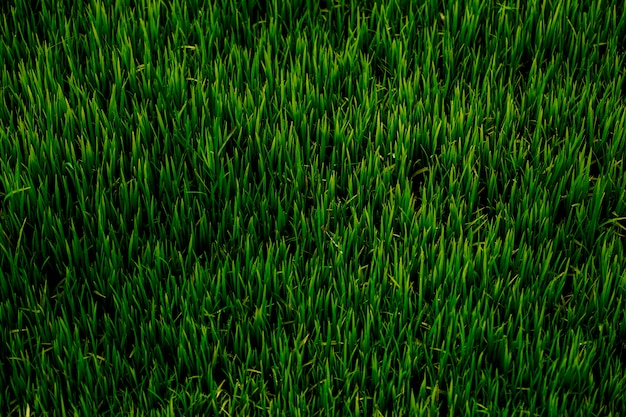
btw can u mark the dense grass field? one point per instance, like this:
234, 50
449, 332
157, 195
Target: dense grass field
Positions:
299, 208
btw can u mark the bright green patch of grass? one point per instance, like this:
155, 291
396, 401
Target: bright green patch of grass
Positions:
344, 208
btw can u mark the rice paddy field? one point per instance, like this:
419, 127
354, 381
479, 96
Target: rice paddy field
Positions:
268, 208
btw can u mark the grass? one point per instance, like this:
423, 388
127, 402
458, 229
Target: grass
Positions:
299, 208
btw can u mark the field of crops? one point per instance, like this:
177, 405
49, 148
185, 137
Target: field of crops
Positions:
301, 208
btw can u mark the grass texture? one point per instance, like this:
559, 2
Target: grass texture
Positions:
299, 208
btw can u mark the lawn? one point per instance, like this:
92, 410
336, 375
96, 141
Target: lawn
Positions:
299, 208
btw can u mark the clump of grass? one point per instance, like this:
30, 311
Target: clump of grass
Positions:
329, 209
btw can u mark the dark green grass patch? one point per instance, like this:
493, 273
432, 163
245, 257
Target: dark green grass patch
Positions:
312, 208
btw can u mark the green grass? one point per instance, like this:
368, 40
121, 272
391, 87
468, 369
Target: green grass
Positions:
347, 208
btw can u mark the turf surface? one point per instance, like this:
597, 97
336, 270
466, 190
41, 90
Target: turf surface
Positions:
301, 208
